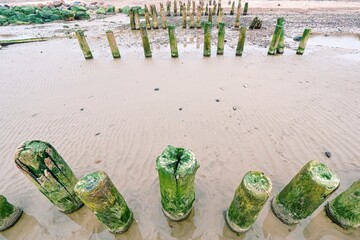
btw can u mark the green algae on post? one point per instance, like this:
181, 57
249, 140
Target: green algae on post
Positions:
275, 40
146, 42
241, 41
210, 16
48, 171
344, 210
304, 39
246, 7
100, 195
281, 45
221, 38
136, 17
255, 23
207, 10
232, 8
173, 41
192, 22
237, 17
183, 12
132, 20
154, 16
83, 44
163, 18
305, 192
207, 39
112, 43
147, 20
198, 17
9, 214
220, 17
176, 168
250, 197
168, 7
175, 8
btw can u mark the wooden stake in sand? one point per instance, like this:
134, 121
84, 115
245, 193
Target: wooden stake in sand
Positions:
188, 6
303, 42
207, 10
281, 44
232, 10
100, 195
154, 16
181, 8
255, 23
173, 41
305, 192
132, 19
220, 17
175, 8
177, 168
237, 17
135, 11
163, 18
192, 21
207, 39
16, 41
83, 44
275, 40
112, 42
47, 170
250, 197
147, 19
221, 38
210, 15
9, 214
183, 12
344, 209
218, 9
214, 10
146, 42
241, 41
246, 7
168, 8
198, 17
194, 7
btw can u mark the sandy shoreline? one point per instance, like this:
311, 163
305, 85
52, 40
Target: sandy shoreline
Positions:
288, 110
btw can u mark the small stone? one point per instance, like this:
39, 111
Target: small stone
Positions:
279, 5
297, 38
180, 109
65, 26
234, 108
81, 109
97, 134
328, 154
217, 100
156, 89
245, 86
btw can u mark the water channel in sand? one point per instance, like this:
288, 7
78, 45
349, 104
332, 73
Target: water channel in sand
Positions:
288, 110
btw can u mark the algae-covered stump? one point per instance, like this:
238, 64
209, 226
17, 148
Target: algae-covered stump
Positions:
275, 40
237, 17
177, 168
207, 39
303, 42
220, 17
112, 43
344, 210
198, 17
246, 8
221, 38
146, 42
44, 166
100, 195
241, 41
281, 44
305, 192
173, 41
83, 44
250, 197
9, 214
232, 8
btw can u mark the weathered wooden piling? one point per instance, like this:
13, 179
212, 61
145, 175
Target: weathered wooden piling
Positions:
175, 8
249, 199
9, 214
275, 40
146, 42
246, 8
176, 168
210, 15
281, 44
147, 19
112, 43
132, 20
220, 16
218, 8
303, 42
232, 10
305, 192
221, 38
183, 12
181, 8
255, 23
135, 11
163, 18
207, 39
344, 210
173, 41
241, 41
207, 10
83, 44
198, 17
188, 6
100, 195
237, 17
214, 10
154, 16
192, 21
47, 170
194, 7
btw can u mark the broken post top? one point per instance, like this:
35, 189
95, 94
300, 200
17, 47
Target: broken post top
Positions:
177, 161
91, 183
170, 26
321, 174
257, 183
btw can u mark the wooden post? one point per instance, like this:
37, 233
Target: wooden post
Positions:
176, 168
198, 17
246, 8
132, 20
249, 199
241, 41
146, 42
232, 10
181, 8
275, 40
112, 42
47, 170
221, 38
136, 17
237, 18
147, 18
100, 195
207, 10
281, 44
219, 17
9, 214
183, 12
154, 16
175, 8
168, 8
192, 21
83, 44
344, 209
305, 192
188, 6
163, 18
214, 10
303, 42
218, 9
194, 7
207, 39
255, 23
173, 41
210, 15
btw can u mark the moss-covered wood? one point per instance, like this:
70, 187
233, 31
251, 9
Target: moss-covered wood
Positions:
220, 17
132, 20
198, 17
281, 45
183, 15
17, 41
344, 210
305, 192
173, 41
207, 9
9, 214
99, 194
246, 8
146, 42
232, 10
154, 16
163, 18
135, 11
303, 42
175, 8
147, 20
275, 40
44, 166
112, 43
210, 15
250, 197
241, 41
176, 168
256, 23
83, 44
221, 38
168, 8
207, 39
192, 20
237, 17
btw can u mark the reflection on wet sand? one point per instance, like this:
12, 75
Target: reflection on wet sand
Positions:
25, 222
273, 228
183, 230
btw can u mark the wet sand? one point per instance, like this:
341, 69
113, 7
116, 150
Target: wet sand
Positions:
104, 114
